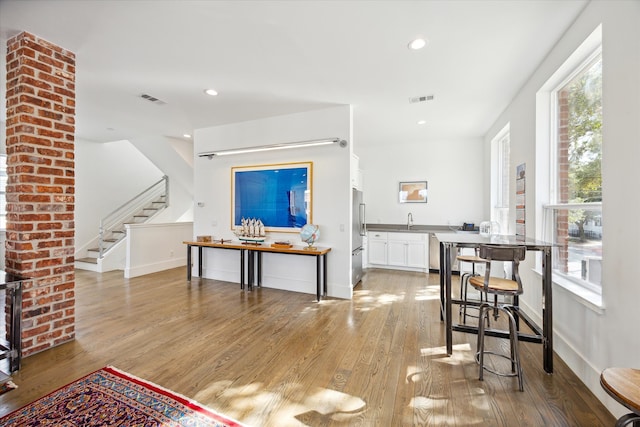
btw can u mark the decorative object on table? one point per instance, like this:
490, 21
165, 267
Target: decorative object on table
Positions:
251, 231
413, 192
285, 188
112, 397
204, 239
489, 228
309, 234
282, 245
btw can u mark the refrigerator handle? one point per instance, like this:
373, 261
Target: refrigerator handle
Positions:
363, 224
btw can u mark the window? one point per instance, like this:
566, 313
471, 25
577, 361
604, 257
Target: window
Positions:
572, 212
500, 170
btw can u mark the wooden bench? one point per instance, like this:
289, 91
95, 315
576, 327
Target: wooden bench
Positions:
623, 384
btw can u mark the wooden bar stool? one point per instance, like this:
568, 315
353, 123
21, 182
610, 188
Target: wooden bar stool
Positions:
499, 286
623, 384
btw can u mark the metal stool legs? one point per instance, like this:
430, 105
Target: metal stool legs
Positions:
516, 367
628, 420
464, 286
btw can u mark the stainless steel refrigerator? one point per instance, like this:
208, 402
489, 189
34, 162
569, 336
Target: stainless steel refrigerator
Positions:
358, 231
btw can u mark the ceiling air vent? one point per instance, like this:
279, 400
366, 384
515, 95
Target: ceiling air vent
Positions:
152, 99
423, 98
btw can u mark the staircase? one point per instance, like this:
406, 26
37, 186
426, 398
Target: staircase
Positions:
140, 209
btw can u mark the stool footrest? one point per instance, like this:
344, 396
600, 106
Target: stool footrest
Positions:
488, 369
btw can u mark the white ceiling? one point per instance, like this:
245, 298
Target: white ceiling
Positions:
268, 58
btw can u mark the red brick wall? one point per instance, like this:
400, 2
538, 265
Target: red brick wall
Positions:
40, 187
562, 216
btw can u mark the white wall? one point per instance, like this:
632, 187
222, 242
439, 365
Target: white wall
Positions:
107, 175
174, 158
156, 247
110, 174
590, 340
331, 195
454, 171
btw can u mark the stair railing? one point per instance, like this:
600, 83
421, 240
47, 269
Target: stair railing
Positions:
156, 195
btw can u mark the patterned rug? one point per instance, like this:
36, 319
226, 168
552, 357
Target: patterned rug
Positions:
111, 397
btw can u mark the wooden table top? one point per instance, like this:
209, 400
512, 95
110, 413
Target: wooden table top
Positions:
262, 247
623, 384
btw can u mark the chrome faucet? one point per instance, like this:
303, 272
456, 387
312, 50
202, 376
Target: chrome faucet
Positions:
409, 220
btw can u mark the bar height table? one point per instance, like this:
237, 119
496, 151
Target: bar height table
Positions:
543, 335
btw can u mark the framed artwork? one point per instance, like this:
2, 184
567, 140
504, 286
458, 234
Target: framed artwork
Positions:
279, 195
413, 192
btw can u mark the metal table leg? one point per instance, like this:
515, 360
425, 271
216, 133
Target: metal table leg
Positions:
188, 263
547, 311
241, 268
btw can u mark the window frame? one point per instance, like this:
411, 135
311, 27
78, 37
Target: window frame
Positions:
547, 171
500, 188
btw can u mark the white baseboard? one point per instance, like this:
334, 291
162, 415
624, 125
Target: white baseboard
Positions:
141, 270
579, 364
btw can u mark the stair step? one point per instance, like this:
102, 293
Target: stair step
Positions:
88, 260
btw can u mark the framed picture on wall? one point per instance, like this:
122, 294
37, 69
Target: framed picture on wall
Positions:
413, 192
279, 195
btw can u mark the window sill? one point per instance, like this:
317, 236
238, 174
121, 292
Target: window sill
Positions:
591, 300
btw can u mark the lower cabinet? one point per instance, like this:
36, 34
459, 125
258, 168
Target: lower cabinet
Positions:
404, 251
377, 248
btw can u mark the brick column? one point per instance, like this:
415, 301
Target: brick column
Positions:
41, 186
562, 216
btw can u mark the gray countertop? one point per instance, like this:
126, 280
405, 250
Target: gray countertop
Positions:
416, 228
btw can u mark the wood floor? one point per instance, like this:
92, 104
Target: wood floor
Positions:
277, 358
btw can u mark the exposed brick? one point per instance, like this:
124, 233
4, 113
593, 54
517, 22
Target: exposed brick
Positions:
40, 129
30, 139
36, 331
28, 99
29, 80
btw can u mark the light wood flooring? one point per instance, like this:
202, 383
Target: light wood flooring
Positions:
277, 358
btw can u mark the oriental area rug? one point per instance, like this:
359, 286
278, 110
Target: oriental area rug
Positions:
111, 397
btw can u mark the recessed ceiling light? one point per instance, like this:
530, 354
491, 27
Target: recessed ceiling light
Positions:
417, 44
211, 92
422, 122
186, 135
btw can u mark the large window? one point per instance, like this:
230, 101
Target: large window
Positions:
500, 175
572, 213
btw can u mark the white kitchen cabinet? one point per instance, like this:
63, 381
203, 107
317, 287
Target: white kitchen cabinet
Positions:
403, 251
396, 249
417, 253
377, 248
